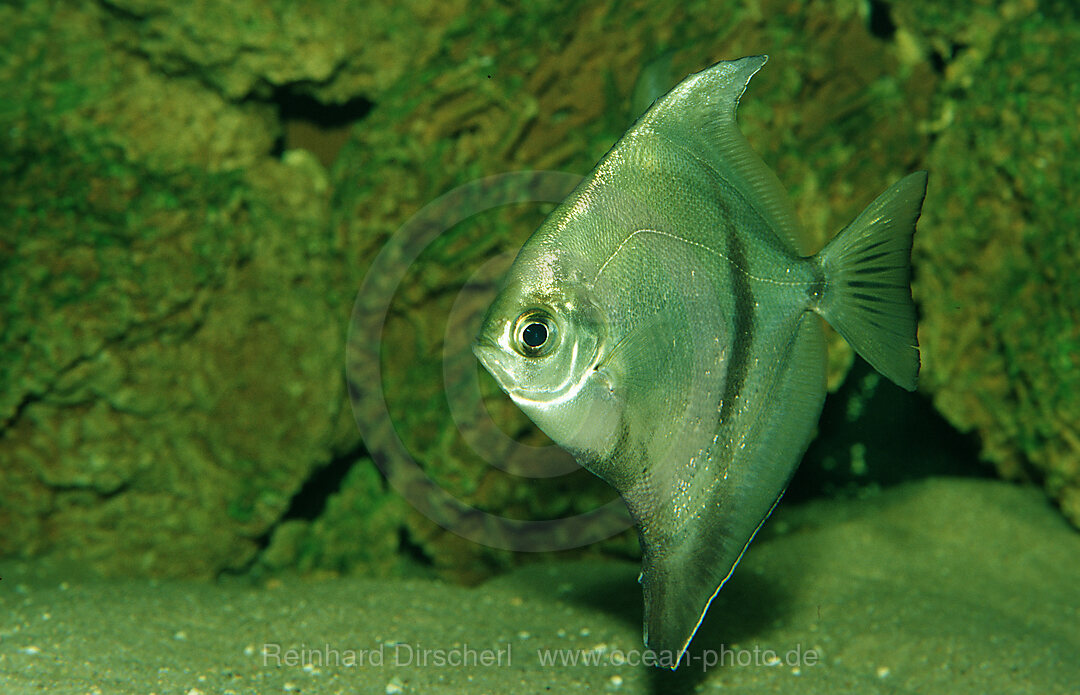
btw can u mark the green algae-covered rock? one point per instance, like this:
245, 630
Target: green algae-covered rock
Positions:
335, 50
357, 530
998, 246
176, 296
172, 327
175, 291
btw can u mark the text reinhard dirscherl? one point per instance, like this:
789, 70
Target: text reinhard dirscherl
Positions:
401, 654
396, 654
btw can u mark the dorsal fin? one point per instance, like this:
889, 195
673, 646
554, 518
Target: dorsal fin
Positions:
699, 113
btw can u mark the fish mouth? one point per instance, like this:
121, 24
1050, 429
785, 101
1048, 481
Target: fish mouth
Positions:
491, 356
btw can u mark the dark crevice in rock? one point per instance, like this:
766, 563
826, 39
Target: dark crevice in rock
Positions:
310, 501
412, 550
296, 105
27, 400
36, 396
938, 60
123, 13
307, 123
880, 21
900, 435
103, 492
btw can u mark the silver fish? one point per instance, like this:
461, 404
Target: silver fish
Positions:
660, 326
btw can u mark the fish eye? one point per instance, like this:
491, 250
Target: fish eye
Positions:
534, 334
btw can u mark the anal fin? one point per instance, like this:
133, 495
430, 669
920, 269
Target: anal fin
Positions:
683, 574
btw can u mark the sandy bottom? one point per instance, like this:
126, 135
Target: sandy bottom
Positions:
957, 586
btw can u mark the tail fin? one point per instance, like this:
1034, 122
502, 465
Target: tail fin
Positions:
867, 294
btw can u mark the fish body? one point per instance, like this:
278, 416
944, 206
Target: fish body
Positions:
662, 325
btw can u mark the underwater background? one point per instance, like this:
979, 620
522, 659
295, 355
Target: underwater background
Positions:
193, 197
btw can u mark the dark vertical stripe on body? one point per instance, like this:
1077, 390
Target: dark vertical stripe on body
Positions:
743, 322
